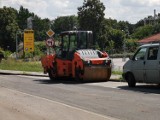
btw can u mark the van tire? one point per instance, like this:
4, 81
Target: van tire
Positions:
131, 80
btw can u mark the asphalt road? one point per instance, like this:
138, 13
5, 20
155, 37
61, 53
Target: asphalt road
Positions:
38, 98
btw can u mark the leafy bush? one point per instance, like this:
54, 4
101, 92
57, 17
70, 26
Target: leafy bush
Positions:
1, 53
131, 45
39, 50
121, 55
7, 54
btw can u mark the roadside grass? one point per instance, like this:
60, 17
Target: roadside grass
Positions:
116, 72
20, 65
117, 75
31, 66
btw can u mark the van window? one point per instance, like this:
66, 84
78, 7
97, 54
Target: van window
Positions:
152, 53
140, 54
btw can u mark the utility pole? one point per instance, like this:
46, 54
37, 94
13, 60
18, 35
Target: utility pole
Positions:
17, 32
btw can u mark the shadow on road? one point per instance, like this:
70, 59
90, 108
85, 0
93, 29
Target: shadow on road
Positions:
63, 81
56, 82
146, 89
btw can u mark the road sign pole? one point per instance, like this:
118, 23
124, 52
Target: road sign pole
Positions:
16, 47
17, 32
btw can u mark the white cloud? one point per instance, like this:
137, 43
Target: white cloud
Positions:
131, 10
140, 3
127, 10
61, 3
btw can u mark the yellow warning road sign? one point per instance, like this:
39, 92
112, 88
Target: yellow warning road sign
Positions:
28, 41
50, 32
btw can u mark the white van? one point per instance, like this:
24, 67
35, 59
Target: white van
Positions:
144, 66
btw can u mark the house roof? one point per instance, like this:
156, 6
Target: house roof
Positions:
151, 39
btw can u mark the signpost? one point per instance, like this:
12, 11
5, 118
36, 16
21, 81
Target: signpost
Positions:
28, 41
50, 41
50, 32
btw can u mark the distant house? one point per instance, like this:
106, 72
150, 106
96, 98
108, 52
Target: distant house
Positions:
152, 39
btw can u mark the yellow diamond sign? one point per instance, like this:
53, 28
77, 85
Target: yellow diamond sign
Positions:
50, 32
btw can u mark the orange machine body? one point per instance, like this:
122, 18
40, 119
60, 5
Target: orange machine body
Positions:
83, 64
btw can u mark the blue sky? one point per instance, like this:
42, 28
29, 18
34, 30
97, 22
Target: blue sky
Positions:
125, 10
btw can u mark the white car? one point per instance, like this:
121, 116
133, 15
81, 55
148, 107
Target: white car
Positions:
144, 66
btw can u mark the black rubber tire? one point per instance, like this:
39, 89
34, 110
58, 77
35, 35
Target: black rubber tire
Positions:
51, 76
131, 80
77, 75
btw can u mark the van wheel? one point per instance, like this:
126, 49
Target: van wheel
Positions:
131, 80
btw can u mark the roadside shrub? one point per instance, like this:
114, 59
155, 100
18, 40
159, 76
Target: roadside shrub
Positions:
120, 55
40, 49
7, 54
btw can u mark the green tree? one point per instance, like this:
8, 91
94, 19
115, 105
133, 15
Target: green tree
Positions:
139, 24
156, 29
65, 23
143, 31
117, 36
91, 17
111, 23
131, 45
22, 16
8, 28
125, 26
103, 37
40, 26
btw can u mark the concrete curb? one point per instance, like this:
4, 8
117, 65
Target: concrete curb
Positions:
12, 72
